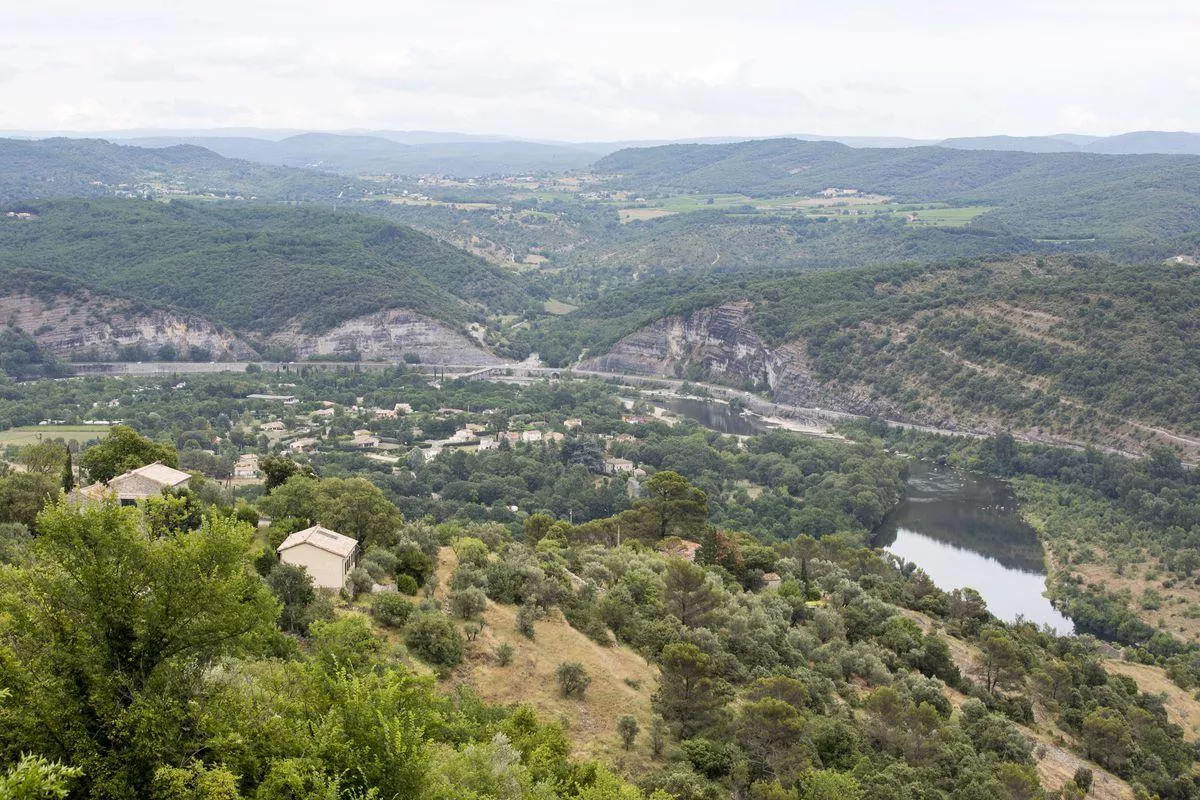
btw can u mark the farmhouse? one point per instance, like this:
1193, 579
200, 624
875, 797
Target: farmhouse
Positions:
246, 466
328, 556
138, 484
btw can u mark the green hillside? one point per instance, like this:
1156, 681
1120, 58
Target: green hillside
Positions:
57, 168
252, 267
1051, 195
1080, 344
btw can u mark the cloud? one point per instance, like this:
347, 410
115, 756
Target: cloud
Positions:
597, 69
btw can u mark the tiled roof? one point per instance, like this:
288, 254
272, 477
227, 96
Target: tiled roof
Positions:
322, 538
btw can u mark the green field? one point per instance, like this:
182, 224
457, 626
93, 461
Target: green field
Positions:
931, 214
32, 434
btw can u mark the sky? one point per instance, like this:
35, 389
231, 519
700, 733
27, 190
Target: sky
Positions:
580, 70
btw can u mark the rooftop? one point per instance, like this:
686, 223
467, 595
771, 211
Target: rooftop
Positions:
322, 538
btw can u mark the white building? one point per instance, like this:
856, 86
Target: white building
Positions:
328, 556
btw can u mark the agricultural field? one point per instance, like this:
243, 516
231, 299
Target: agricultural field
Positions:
32, 434
830, 208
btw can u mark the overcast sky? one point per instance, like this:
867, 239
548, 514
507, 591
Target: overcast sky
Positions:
619, 69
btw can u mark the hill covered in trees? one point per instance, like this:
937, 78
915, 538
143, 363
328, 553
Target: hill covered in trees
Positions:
1045, 195
1077, 347
55, 168
254, 268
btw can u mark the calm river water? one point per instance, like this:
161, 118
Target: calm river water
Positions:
964, 530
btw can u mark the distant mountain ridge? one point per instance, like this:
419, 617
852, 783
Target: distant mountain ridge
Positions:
61, 167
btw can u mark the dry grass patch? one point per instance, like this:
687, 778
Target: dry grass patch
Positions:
1182, 707
622, 681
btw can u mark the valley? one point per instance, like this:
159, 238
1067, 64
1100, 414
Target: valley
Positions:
770, 469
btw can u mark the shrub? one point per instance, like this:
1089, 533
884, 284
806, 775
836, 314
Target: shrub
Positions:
526, 617
627, 726
504, 654
359, 582
406, 584
391, 609
573, 679
434, 639
468, 603
1083, 779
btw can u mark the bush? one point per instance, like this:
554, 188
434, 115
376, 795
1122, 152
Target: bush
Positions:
1083, 779
359, 582
526, 617
434, 639
468, 603
406, 584
504, 654
573, 679
627, 726
391, 609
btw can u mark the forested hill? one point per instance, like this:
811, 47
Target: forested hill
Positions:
1080, 349
1071, 195
252, 267
56, 168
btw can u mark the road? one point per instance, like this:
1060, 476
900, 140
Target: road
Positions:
516, 371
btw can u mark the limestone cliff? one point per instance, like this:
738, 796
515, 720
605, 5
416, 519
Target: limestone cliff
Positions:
98, 328
722, 340
388, 336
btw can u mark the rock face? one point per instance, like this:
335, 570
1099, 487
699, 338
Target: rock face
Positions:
389, 336
722, 340
97, 328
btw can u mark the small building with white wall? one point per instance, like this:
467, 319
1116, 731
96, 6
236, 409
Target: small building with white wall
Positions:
328, 556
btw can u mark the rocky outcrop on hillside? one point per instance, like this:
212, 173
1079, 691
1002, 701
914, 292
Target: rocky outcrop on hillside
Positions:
388, 336
722, 340
87, 327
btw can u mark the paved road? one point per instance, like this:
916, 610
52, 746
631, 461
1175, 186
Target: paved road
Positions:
752, 402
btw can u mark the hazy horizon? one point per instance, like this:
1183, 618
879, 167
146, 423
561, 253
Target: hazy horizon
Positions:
613, 71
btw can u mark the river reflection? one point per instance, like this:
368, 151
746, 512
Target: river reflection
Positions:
713, 415
964, 530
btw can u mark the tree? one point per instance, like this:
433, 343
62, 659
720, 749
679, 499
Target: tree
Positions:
526, 619
1083, 779
627, 727
293, 587
688, 594
468, 603
35, 778
686, 695
999, 664
123, 450
109, 632
573, 679
354, 507
434, 639
391, 609
537, 526
675, 506
23, 495
45, 458
824, 784
277, 470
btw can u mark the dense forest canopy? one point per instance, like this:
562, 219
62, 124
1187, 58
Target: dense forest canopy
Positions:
254, 268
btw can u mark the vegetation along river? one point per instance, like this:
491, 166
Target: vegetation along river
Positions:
962, 529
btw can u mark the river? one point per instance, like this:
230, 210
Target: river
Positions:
713, 415
964, 530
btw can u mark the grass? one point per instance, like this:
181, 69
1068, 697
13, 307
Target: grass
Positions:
1182, 707
558, 307
841, 208
32, 434
591, 723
